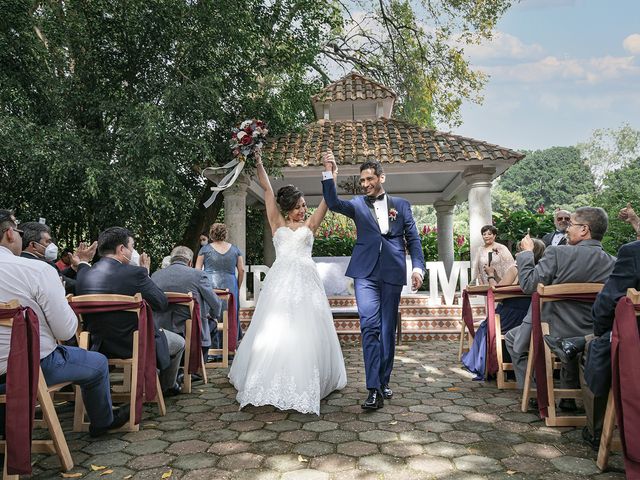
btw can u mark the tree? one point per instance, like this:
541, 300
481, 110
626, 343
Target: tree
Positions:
619, 188
417, 48
109, 111
555, 177
610, 149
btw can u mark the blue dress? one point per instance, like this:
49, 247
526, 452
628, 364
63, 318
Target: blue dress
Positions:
221, 269
512, 311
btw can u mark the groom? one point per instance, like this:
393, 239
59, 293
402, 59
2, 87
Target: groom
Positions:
377, 266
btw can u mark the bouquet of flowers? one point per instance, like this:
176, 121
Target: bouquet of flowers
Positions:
246, 139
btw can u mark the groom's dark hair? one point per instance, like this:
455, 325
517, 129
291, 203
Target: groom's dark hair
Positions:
374, 165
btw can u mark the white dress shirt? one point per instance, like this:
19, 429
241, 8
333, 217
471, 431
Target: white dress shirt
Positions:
37, 285
557, 237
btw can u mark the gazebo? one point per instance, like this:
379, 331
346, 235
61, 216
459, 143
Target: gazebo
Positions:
425, 166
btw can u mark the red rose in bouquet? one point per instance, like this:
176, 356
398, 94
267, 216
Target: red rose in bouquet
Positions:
246, 139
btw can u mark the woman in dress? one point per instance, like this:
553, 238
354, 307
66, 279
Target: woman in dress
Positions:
221, 261
492, 254
290, 356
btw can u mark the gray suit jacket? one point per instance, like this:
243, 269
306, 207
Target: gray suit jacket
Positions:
585, 262
178, 277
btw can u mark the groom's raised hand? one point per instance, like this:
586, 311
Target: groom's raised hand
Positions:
329, 162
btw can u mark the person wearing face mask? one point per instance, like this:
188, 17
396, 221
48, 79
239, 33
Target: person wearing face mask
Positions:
37, 244
112, 332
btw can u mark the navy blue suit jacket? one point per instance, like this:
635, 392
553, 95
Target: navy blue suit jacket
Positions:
371, 243
112, 332
626, 274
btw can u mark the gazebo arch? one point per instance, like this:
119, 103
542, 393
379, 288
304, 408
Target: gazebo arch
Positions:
425, 166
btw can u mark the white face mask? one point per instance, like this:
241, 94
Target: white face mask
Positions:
51, 252
135, 258
203, 243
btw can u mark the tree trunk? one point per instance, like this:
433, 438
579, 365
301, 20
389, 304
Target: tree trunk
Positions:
200, 220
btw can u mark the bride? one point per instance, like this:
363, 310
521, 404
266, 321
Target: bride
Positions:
290, 356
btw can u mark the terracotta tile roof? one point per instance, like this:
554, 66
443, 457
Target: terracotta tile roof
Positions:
353, 87
387, 140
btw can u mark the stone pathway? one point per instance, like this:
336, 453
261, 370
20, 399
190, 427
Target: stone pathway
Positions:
440, 424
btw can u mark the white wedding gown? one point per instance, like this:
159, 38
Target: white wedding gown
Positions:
290, 356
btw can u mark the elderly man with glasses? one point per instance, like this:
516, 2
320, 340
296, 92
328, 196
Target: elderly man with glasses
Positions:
561, 219
583, 260
37, 285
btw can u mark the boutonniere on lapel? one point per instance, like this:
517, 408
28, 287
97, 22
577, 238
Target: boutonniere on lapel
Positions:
393, 214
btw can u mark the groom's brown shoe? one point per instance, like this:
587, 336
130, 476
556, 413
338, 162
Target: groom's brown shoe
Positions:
374, 401
387, 393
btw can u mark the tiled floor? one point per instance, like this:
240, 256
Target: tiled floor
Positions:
440, 424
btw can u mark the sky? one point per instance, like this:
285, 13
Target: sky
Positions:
559, 69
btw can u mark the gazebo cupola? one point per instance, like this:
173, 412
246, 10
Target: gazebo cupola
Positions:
353, 97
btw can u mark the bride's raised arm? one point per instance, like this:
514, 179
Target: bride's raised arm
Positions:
276, 219
316, 218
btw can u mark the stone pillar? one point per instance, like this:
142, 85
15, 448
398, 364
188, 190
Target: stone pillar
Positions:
269, 250
235, 213
479, 181
444, 214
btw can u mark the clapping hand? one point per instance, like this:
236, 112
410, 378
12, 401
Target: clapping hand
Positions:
83, 253
526, 244
145, 261
489, 270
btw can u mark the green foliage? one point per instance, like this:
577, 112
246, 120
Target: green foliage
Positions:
619, 188
512, 225
109, 111
555, 177
610, 149
335, 237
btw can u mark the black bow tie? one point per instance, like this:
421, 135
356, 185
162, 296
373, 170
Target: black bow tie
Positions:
373, 199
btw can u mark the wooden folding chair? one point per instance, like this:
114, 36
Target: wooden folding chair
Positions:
551, 362
609, 441
500, 294
125, 392
464, 333
224, 328
58, 442
189, 303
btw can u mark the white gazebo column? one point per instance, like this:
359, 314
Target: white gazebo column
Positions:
479, 181
268, 250
444, 215
235, 213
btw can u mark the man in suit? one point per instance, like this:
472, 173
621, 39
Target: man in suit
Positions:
37, 244
378, 267
180, 277
112, 332
558, 237
581, 261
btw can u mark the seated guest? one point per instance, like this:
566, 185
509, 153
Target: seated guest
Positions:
65, 260
37, 244
492, 254
561, 220
511, 311
112, 332
37, 285
180, 277
583, 260
625, 275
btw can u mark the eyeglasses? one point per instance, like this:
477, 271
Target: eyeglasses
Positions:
578, 224
17, 230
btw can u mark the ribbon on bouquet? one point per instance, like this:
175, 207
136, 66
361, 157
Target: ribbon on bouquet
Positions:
234, 168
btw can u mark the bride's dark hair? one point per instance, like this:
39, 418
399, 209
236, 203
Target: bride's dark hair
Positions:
287, 197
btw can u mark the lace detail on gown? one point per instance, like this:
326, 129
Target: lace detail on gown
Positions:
290, 356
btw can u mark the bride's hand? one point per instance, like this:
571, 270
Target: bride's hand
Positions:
257, 154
